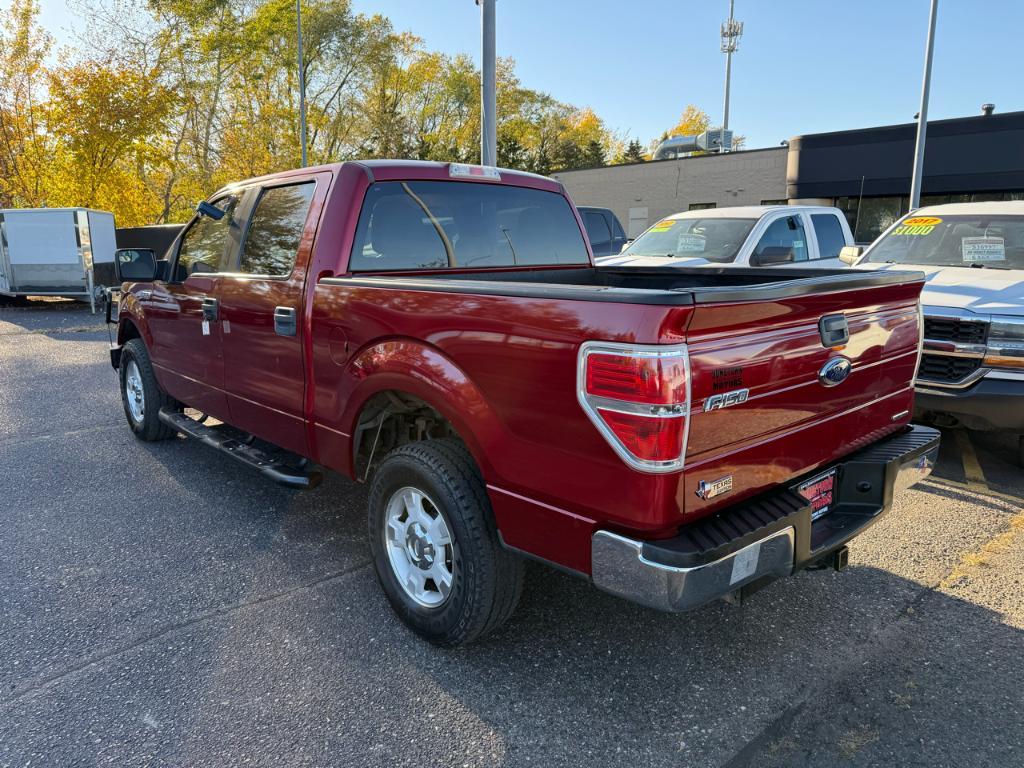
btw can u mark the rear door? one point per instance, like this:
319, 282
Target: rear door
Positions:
261, 308
186, 335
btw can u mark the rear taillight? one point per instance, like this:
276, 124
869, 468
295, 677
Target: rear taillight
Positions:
638, 396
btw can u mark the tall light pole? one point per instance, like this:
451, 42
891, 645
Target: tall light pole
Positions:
302, 83
732, 30
488, 88
922, 115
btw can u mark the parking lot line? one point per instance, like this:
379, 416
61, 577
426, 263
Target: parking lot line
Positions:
972, 468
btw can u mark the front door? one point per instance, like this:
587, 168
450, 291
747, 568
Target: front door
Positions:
183, 313
263, 331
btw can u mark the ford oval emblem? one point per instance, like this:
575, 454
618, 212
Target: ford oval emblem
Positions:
834, 372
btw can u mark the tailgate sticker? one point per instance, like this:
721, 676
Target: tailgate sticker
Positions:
709, 489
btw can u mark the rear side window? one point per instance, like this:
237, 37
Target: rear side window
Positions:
275, 230
830, 234
597, 230
438, 224
203, 244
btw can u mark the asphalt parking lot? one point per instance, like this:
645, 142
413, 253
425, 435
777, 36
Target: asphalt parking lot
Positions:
162, 605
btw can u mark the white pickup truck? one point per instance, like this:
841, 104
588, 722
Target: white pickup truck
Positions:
972, 367
744, 236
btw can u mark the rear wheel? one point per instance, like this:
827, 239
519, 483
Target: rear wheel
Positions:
141, 395
435, 546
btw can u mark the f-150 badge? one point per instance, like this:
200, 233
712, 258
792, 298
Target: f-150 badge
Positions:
709, 489
725, 399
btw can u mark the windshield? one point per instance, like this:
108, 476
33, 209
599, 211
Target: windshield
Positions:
996, 242
717, 240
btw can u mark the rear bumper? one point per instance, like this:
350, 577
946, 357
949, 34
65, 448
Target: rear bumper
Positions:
991, 404
760, 540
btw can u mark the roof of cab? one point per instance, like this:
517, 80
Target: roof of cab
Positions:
992, 207
748, 211
386, 170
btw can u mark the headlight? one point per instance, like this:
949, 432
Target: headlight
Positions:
1005, 343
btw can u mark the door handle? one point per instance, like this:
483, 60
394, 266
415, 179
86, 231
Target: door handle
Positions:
209, 308
284, 321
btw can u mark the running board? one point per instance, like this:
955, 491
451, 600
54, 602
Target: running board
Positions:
249, 455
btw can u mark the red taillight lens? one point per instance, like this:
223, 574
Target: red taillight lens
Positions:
654, 380
638, 397
646, 437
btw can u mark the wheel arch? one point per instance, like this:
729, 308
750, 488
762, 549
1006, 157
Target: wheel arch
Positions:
420, 377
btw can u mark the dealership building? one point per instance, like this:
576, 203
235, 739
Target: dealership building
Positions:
865, 172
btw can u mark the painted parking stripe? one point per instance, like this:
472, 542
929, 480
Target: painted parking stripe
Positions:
972, 468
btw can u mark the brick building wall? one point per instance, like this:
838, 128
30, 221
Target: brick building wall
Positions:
641, 193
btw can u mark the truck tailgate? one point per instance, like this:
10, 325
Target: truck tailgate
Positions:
784, 418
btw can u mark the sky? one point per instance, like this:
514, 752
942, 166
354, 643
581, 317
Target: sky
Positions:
803, 66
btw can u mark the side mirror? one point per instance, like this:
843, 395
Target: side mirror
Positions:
135, 265
209, 209
850, 254
772, 255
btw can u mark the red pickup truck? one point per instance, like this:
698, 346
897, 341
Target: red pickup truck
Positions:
440, 332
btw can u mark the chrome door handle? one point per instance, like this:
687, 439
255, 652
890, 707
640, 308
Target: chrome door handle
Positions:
209, 308
284, 321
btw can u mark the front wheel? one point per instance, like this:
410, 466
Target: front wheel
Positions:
435, 546
141, 395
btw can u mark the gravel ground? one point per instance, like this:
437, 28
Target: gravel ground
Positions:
162, 605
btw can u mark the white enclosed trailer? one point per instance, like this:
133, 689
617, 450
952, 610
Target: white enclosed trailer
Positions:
57, 252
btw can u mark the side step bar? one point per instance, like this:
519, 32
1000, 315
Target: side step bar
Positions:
253, 457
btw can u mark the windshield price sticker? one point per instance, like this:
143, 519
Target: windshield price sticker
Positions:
663, 226
983, 249
688, 243
917, 225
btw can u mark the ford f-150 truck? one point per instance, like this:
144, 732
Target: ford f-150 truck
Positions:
441, 333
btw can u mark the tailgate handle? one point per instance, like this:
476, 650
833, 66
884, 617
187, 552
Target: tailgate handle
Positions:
209, 308
284, 321
834, 330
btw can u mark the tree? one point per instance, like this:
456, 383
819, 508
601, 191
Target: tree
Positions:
634, 153
692, 122
24, 152
171, 99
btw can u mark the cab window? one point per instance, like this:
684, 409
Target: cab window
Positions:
204, 244
830, 234
275, 230
785, 233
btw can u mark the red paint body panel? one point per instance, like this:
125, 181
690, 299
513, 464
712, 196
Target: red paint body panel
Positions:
502, 369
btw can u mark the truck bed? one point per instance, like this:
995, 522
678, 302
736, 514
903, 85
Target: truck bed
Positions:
506, 346
667, 286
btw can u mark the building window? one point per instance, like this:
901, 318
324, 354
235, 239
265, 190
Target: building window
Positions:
775, 202
702, 206
869, 217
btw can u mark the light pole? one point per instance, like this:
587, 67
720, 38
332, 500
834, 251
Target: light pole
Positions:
732, 30
922, 115
488, 88
302, 83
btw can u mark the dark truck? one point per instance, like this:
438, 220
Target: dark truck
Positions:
440, 332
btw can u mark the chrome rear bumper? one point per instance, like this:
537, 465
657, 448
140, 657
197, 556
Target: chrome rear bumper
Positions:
674, 576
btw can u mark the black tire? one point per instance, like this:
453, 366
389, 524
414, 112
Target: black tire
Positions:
148, 427
487, 579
